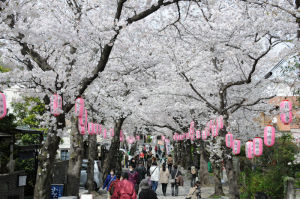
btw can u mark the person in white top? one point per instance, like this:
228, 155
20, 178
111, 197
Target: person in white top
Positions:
154, 172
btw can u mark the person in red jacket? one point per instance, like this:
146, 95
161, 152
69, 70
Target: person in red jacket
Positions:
124, 189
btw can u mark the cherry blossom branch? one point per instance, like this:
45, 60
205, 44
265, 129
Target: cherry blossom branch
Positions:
210, 105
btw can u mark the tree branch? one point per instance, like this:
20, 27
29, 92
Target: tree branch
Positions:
198, 93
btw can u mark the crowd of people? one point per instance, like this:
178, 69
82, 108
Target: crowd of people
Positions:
145, 172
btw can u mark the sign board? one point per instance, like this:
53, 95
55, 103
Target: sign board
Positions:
86, 196
22, 181
56, 191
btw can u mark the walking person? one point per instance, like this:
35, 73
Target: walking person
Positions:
154, 172
133, 177
124, 189
194, 192
194, 175
174, 180
109, 179
164, 178
114, 184
146, 191
170, 162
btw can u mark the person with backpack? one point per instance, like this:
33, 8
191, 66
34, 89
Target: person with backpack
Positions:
146, 191
109, 179
164, 178
124, 189
133, 177
174, 180
114, 183
154, 172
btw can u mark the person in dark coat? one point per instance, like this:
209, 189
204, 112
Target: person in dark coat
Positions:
146, 192
174, 185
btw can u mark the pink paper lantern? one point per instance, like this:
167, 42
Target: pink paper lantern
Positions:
192, 127
249, 150
96, 126
286, 115
79, 107
99, 129
91, 128
167, 140
286, 118
257, 146
269, 136
207, 131
104, 134
214, 131
81, 127
198, 135
121, 136
56, 105
112, 132
204, 135
3, 110
174, 137
229, 140
236, 147
220, 122
163, 138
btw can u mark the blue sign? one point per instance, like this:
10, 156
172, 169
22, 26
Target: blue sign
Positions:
56, 191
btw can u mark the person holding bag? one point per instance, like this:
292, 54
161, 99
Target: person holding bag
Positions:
154, 171
164, 178
174, 180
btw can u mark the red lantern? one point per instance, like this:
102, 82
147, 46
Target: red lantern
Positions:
257, 146
56, 105
79, 107
249, 150
286, 115
229, 140
236, 147
269, 136
3, 110
137, 137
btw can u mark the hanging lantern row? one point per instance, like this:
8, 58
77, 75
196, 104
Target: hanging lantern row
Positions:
3, 110
286, 115
56, 105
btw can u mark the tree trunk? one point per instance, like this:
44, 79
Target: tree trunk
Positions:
113, 158
46, 161
76, 156
203, 171
90, 166
217, 181
175, 151
232, 179
180, 154
133, 149
45, 166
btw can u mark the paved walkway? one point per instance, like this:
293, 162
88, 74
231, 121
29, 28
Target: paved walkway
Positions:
183, 191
